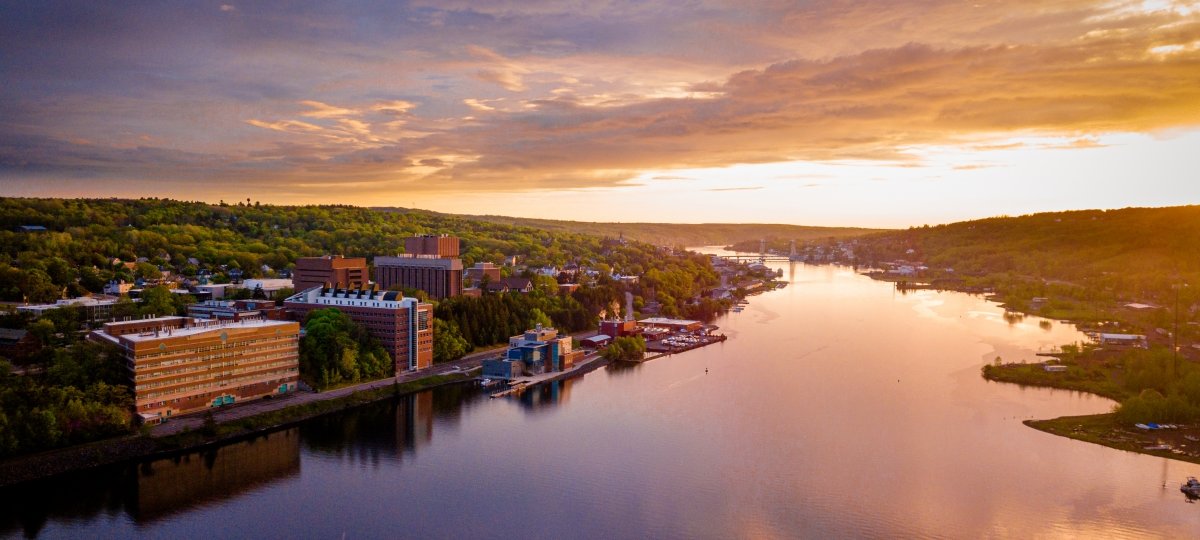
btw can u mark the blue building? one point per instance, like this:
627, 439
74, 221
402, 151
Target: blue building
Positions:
535, 352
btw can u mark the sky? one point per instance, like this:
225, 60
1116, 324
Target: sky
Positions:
871, 113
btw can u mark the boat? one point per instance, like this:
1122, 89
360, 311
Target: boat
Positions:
1191, 487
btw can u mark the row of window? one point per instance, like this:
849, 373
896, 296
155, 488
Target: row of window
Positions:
247, 359
214, 384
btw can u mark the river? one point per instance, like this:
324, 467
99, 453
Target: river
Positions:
839, 407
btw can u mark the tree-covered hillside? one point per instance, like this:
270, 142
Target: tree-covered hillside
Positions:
682, 234
1133, 254
84, 236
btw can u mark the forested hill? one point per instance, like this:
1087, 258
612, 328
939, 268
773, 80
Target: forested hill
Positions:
83, 236
1133, 253
679, 234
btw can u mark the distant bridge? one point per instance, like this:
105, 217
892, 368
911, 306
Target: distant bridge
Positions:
763, 258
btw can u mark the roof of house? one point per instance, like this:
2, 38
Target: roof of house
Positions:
12, 335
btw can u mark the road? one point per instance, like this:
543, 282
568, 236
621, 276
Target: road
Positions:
195, 420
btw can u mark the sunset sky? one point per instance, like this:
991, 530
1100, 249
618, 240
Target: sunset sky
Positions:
855, 112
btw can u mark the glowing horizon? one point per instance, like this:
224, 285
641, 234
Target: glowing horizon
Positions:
846, 113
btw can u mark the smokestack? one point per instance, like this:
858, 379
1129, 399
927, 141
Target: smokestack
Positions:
628, 306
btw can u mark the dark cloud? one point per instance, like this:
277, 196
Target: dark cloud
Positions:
521, 95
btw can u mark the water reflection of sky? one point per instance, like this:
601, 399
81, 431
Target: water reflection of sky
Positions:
840, 408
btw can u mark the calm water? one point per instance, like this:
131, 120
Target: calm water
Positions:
839, 408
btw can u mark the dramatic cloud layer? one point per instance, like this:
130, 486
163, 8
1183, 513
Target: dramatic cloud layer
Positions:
312, 102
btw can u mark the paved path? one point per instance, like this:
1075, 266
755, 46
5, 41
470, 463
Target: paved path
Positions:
195, 420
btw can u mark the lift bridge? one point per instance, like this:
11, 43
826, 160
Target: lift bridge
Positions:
763, 256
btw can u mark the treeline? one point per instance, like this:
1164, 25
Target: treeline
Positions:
81, 396
1164, 389
685, 234
84, 236
492, 318
1139, 254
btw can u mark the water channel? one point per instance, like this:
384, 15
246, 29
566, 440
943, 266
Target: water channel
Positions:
839, 408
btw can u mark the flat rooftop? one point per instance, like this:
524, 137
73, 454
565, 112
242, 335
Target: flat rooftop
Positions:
197, 326
663, 321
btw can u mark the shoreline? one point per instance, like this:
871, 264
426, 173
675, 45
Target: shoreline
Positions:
32, 467
138, 447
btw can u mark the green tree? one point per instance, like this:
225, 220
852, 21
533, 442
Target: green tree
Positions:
448, 342
158, 302
628, 348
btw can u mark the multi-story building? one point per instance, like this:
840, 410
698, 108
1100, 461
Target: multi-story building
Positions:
179, 365
403, 326
537, 351
440, 277
336, 271
433, 245
93, 309
236, 310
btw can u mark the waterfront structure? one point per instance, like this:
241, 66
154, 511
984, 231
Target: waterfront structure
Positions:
597, 341
618, 328
95, 309
403, 326
329, 270
440, 277
671, 325
236, 310
537, 351
1123, 340
179, 365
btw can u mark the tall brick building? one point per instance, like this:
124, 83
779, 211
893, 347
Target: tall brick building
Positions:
337, 271
432, 245
441, 278
402, 325
430, 264
180, 365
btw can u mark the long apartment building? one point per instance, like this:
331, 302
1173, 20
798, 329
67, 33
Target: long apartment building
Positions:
404, 326
179, 365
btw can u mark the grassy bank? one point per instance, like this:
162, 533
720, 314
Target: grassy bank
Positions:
1105, 430
1083, 378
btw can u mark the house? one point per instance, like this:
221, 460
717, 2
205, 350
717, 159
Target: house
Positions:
597, 341
117, 287
1123, 340
16, 344
31, 228
521, 285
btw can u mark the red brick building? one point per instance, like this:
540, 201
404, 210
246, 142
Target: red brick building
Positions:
440, 277
337, 271
402, 325
432, 245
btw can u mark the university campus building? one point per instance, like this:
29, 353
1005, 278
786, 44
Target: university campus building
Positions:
404, 326
180, 365
430, 263
335, 271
